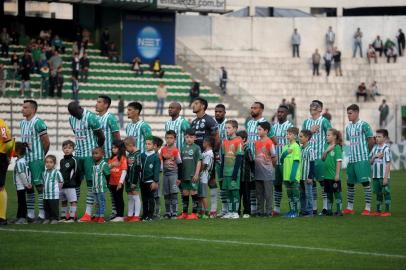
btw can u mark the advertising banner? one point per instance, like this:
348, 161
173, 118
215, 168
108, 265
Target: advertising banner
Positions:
193, 5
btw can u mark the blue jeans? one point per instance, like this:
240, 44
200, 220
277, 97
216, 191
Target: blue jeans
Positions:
160, 106
101, 203
357, 44
121, 119
306, 198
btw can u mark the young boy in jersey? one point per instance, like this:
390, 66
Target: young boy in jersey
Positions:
172, 167
53, 182
207, 167
151, 166
380, 161
191, 160
101, 171
307, 176
231, 159
247, 185
69, 170
265, 161
332, 158
291, 162
158, 142
132, 180
22, 181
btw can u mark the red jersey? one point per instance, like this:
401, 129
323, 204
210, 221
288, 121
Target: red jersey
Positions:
115, 171
170, 158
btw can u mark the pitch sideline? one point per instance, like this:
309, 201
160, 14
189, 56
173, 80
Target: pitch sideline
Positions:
202, 240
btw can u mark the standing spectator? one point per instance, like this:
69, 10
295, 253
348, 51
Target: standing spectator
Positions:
357, 43
156, 68
105, 40
295, 40
316, 62
26, 67
223, 79
15, 62
392, 53
75, 65
337, 61
401, 42
383, 114
59, 83
330, 38
388, 44
4, 42
113, 53
36, 52
194, 91
44, 81
292, 110
84, 67
362, 92
161, 94
327, 115
75, 88
121, 111
58, 44
3, 80
328, 58
15, 37
378, 45
371, 54
136, 66
55, 62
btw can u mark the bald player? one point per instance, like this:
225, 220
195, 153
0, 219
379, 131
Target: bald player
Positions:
177, 123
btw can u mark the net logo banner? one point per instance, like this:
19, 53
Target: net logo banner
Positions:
193, 5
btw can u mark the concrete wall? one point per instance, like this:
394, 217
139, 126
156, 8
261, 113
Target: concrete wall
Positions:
271, 36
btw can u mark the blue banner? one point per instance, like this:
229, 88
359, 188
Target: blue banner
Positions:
149, 36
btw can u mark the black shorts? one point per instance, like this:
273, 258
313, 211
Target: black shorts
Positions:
331, 186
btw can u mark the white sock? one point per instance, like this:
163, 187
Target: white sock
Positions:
368, 206
63, 211
213, 199
89, 209
131, 206
325, 201
41, 214
137, 205
350, 206
31, 213
72, 211
277, 209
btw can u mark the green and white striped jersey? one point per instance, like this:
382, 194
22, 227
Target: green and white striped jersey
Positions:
109, 125
84, 130
52, 178
100, 171
251, 127
318, 139
379, 165
222, 130
20, 168
357, 134
179, 126
279, 130
307, 157
31, 132
140, 130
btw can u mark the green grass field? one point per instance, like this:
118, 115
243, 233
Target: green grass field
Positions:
351, 242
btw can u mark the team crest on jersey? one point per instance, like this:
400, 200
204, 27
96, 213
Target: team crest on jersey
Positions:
190, 152
263, 149
151, 166
332, 153
67, 165
202, 123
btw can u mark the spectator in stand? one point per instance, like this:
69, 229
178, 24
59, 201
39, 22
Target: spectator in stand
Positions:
161, 94
15, 37
292, 110
59, 83
44, 81
330, 38
194, 91
36, 56
284, 103
104, 42
4, 42
327, 115
25, 70
15, 63
388, 44
121, 111
295, 41
401, 42
45, 36
75, 65
392, 52
337, 61
3, 80
84, 67
378, 45
85, 38
371, 54
156, 68
113, 53
383, 114
223, 79
357, 43
58, 44
374, 89
362, 92
316, 62
55, 62
136, 66
75, 88
328, 58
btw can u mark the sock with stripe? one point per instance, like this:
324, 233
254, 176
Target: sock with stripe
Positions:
89, 201
330, 201
41, 212
350, 196
339, 201
224, 201
213, 199
195, 202
278, 198
31, 205
253, 202
77, 189
137, 205
368, 196
314, 190
113, 204
130, 207
235, 200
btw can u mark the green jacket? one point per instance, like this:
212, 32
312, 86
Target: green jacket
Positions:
151, 166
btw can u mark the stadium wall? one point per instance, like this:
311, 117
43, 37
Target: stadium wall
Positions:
271, 36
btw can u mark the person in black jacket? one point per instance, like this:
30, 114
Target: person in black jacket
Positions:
69, 171
84, 67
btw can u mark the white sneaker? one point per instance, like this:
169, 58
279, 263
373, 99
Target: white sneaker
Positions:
117, 219
227, 215
246, 216
235, 216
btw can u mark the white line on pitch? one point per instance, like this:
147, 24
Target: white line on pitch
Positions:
202, 240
